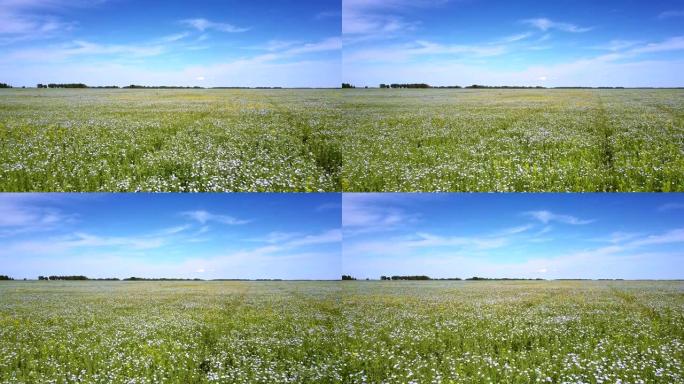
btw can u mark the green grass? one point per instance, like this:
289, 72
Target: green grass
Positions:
168, 332
332, 140
513, 140
334, 332
169, 140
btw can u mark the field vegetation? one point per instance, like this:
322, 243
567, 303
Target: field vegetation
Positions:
342, 332
169, 140
513, 140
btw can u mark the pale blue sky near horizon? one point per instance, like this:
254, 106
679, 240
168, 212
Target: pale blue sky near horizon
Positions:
531, 43
515, 235
202, 235
321, 236
288, 43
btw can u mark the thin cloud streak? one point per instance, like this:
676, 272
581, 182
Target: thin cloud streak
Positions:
202, 25
544, 24
203, 217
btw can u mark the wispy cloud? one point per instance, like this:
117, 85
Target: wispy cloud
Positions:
544, 24
516, 37
671, 14
424, 48
204, 25
17, 216
671, 207
22, 20
80, 48
618, 45
669, 237
175, 37
328, 44
330, 236
361, 214
203, 217
375, 19
548, 216
672, 44
328, 15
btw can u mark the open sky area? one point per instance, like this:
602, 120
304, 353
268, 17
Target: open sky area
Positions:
630, 43
258, 235
287, 43
630, 236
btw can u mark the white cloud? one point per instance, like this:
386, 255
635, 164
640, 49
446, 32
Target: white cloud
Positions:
331, 236
360, 215
618, 45
422, 48
83, 48
672, 44
545, 24
20, 216
405, 246
671, 14
517, 37
202, 217
671, 206
670, 237
204, 24
548, 216
328, 44
379, 19
22, 20
175, 37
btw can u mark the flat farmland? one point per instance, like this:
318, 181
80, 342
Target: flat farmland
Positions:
513, 140
514, 332
170, 332
342, 332
169, 140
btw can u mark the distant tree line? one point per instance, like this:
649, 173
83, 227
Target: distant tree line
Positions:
423, 277
347, 85
500, 278
3, 85
67, 85
412, 277
415, 85
479, 86
134, 86
347, 277
158, 279
71, 277
5, 277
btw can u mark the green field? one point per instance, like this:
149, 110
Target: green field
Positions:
169, 140
333, 332
170, 332
513, 140
352, 140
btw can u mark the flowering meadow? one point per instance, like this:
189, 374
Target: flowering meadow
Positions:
169, 332
513, 140
514, 332
169, 140
342, 332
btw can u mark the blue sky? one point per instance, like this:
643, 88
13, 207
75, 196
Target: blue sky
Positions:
206, 43
260, 235
631, 236
496, 42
